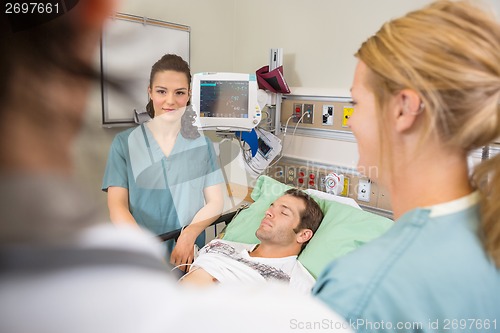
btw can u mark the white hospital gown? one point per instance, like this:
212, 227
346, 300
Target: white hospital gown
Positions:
230, 262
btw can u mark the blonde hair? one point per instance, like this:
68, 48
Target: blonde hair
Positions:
448, 52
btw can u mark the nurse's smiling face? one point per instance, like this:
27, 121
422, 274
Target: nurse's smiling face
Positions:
170, 94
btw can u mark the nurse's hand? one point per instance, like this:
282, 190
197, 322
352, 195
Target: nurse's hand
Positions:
183, 253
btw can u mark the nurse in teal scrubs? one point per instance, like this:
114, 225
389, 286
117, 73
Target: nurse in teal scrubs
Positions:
163, 174
426, 93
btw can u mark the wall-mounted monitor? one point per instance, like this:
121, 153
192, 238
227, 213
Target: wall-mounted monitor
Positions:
225, 101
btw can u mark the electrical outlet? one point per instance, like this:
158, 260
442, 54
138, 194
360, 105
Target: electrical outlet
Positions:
321, 182
290, 175
364, 190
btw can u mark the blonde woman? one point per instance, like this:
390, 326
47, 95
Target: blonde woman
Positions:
426, 92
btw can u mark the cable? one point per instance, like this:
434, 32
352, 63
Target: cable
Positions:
298, 122
247, 158
269, 120
180, 266
242, 147
284, 135
187, 273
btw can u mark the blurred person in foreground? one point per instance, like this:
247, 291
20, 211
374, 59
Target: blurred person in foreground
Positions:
61, 268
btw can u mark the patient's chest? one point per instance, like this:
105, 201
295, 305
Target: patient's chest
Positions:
229, 255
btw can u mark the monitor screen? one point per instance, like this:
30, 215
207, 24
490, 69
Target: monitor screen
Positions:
228, 99
225, 101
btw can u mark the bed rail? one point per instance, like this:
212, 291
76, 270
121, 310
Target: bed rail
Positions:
225, 218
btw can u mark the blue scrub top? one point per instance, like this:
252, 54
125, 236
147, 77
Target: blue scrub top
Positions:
426, 274
165, 193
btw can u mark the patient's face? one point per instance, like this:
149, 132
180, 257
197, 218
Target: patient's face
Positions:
280, 219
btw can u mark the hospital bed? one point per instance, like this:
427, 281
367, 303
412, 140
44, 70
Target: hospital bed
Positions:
225, 218
345, 225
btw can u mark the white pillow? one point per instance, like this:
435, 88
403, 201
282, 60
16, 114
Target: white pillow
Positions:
331, 197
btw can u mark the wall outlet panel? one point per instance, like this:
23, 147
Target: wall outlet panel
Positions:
291, 107
299, 175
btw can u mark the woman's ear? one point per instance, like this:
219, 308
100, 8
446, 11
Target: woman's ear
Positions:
407, 108
304, 235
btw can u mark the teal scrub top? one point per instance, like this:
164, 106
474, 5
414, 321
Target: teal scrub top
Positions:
165, 193
426, 274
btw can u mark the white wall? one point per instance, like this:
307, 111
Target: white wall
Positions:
319, 38
495, 4
211, 22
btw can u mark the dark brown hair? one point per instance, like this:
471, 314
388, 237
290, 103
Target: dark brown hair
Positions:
311, 216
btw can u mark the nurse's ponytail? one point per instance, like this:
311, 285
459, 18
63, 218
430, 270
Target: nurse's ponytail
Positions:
487, 179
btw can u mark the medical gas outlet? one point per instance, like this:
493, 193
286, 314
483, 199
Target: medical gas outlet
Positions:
347, 114
306, 180
308, 113
297, 112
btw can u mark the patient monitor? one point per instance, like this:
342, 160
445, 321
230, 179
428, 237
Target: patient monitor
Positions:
225, 101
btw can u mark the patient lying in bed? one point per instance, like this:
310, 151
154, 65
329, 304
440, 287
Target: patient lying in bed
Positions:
287, 226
